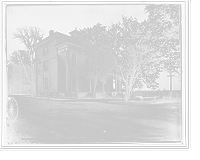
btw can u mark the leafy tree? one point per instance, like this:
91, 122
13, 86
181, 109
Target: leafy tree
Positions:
29, 36
92, 42
137, 62
165, 26
172, 62
22, 58
165, 20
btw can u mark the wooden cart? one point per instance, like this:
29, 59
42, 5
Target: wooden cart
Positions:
11, 111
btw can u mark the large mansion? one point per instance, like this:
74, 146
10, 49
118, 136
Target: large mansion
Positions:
62, 72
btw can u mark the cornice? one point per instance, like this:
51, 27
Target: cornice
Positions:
68, 39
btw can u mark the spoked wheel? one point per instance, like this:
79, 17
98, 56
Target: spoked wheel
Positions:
12, 110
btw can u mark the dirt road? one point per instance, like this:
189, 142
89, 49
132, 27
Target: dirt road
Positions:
54, 122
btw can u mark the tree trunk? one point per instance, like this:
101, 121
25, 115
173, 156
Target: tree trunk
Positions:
127, 94
77, 85
33, 83
95, 86
48, 92
32, 80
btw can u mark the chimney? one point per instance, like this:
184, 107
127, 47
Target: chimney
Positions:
51, 32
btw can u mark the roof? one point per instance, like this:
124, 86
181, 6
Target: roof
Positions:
75, 31
68, 39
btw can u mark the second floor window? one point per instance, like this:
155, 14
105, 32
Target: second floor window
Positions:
45, 65
45, 51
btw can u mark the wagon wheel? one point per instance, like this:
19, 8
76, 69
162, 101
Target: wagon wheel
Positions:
12, 110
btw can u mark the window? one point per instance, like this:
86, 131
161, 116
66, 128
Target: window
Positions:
73, 35
45, 51
45, 65
46, 83
78, 36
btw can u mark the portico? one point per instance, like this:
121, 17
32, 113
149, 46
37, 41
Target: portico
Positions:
77, 68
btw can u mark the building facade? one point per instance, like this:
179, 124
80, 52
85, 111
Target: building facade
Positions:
59, 57
17, 79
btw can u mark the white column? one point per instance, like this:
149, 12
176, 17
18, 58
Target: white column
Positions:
92, 82
68, 79
73, 60
118, 87
107, 85
110, 84
87, 87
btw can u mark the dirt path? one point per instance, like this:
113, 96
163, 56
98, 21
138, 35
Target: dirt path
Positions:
49, 122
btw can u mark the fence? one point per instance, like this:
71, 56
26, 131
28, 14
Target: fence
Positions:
160, 94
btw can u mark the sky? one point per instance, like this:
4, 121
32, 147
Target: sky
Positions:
65, 18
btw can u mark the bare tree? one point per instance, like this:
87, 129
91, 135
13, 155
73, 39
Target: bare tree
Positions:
29, 36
